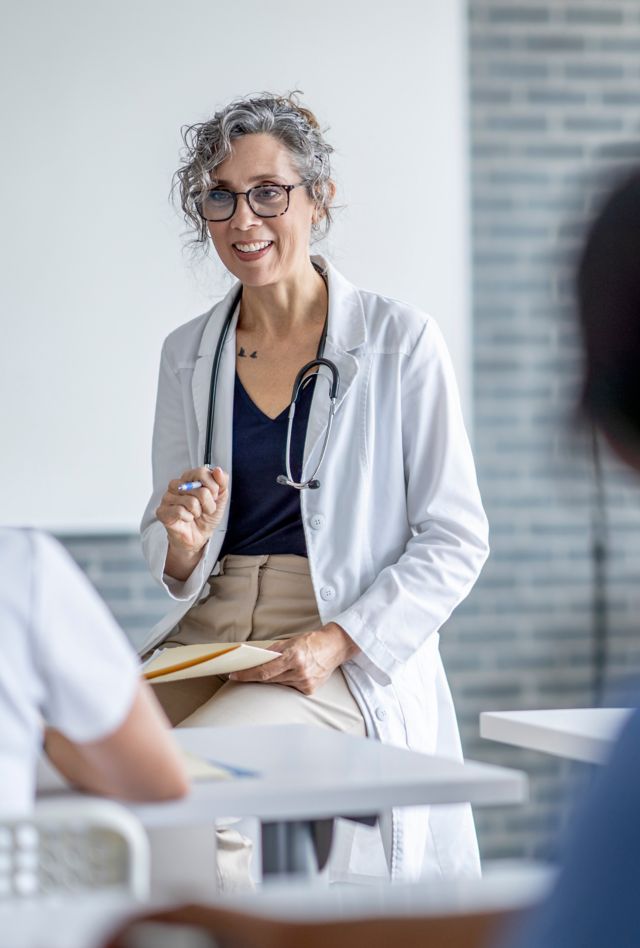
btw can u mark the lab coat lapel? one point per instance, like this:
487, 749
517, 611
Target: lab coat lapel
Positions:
201, 384
346, 331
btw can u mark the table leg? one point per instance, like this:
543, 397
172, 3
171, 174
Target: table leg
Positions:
299, 847
288, 849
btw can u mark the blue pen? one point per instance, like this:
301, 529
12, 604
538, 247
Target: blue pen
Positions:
190, 485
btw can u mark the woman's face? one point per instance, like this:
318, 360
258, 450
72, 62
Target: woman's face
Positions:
261, 159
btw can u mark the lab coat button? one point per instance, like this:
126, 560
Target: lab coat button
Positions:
316, 521
381, 714
327, 593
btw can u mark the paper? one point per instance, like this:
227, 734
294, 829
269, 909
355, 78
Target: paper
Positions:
203, 768
200, 769
198, 661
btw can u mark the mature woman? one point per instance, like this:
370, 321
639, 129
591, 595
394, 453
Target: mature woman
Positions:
352, 565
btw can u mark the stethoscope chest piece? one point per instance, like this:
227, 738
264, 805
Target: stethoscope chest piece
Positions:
312, 482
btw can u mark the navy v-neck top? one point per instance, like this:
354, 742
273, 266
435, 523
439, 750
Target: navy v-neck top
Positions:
264, 516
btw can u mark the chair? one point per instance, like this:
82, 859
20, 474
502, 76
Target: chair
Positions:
456, 913
74, 846
230, 929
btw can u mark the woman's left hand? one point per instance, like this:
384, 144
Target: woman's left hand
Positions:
306, 661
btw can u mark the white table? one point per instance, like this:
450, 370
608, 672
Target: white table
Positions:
85, 921
308, 774
585, 734
305, 774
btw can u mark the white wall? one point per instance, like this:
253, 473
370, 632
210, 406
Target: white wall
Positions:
94, 96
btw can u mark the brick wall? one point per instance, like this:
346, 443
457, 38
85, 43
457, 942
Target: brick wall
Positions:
555, 109
555, 103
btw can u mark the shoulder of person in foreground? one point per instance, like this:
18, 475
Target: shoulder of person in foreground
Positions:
594, 901
105, 730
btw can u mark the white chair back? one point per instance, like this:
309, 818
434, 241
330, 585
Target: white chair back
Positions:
73, 846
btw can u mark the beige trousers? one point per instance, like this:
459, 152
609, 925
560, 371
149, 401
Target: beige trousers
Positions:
254, 598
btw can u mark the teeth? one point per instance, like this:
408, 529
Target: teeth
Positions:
251, 248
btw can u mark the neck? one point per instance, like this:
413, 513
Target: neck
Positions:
281, 309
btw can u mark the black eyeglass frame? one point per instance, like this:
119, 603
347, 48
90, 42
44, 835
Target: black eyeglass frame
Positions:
236, 194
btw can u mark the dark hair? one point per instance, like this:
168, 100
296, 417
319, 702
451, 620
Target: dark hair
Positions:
608, 287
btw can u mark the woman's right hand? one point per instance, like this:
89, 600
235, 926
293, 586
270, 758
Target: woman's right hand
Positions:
191, 517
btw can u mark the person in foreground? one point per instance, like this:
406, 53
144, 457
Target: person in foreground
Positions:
351, 559
595, 900
67, 673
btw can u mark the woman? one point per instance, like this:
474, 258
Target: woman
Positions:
353, 578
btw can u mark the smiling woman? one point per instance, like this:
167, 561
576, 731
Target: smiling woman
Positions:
353, 578
271, 211
209, 144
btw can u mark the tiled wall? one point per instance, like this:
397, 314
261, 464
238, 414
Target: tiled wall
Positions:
555, 103
555, 109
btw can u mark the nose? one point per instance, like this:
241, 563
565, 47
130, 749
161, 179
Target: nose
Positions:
243, 217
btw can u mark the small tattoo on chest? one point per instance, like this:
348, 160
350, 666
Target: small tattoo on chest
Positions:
243, 354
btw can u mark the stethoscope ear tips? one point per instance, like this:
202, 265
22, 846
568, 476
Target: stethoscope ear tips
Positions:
282, 479
314, 485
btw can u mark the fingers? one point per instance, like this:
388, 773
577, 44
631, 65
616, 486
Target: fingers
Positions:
220, 477
190, 502
174, 513
215, 479
305, 683
262, 672
202, 501
292, 667
176, 510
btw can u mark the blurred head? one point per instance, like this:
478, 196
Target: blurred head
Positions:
254, 137
608, 285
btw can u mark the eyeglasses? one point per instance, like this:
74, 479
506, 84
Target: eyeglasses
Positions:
265, 200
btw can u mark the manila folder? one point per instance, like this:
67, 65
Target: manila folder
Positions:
198, 661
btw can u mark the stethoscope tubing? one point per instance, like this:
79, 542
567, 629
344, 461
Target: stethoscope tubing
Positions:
213, 387
287, 479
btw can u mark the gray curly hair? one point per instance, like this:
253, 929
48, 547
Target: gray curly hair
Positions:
208, 144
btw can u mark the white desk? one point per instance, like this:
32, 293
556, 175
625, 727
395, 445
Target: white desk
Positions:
310, 774
585, 734
85, 921
81, 922
307, 772
509, 885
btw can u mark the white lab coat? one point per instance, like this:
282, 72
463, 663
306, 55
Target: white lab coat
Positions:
396, 534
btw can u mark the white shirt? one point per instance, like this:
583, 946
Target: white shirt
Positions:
396, 534
64, 661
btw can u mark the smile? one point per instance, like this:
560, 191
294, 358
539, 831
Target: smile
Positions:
252, 250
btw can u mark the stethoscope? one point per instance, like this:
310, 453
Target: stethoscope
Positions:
286, 479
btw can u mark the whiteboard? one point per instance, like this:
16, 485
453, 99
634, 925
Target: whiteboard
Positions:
95, 276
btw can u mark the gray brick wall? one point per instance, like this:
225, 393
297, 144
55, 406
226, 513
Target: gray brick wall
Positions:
554, 110
555, 103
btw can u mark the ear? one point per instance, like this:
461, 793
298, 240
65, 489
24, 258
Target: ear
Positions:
319, 213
